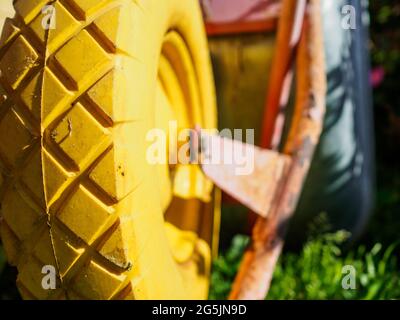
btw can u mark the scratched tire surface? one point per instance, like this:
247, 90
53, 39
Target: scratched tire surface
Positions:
76, 190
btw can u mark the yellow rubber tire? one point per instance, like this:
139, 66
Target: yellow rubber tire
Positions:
77, 191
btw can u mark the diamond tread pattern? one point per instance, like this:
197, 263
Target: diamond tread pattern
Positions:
65, 133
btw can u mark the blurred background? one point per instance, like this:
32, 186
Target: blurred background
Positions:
314, 271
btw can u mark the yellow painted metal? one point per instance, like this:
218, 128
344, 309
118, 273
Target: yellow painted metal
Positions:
180, 101
77, 189
242, 65
180, 83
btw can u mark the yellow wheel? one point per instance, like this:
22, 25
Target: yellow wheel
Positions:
84, 83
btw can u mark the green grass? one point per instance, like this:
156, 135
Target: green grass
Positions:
316, 271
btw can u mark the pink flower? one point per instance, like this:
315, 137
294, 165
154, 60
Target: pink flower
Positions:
377, 76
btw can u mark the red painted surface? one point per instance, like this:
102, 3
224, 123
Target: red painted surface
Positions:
216, 29
228, 11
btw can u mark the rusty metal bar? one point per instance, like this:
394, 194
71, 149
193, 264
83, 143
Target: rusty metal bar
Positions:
289, 29
256, 270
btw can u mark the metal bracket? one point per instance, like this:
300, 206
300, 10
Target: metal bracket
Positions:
247, 173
